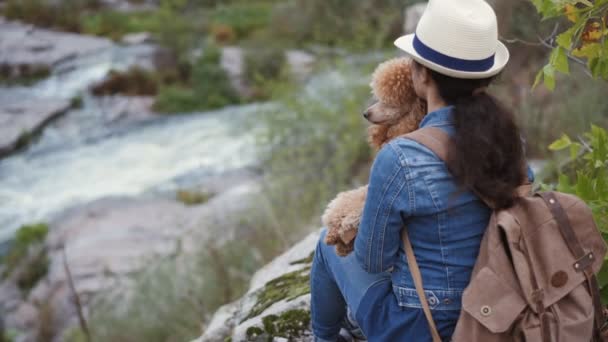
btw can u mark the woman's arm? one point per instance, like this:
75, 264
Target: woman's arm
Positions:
388, 202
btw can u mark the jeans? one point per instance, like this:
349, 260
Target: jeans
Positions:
336, 282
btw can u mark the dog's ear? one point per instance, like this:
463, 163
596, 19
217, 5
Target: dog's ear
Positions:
377, 135
392, 82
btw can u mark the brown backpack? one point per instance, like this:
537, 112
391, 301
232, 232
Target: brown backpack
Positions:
535, 276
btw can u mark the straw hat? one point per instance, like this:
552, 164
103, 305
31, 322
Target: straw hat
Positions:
457, 38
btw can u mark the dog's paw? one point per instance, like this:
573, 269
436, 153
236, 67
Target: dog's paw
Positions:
332, 237
350, 227
343, 249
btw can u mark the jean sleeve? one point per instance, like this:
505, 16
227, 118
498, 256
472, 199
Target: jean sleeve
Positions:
386, 206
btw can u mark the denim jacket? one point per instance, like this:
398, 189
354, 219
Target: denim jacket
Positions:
409, 185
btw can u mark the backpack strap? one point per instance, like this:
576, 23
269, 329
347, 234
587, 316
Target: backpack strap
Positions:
417, 276
437, 141
583, 260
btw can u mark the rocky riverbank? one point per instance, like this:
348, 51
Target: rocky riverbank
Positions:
103, 243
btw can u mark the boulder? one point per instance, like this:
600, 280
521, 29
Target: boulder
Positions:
232, 60
20, 121
276, 306
121, 108
25, 47
137, 38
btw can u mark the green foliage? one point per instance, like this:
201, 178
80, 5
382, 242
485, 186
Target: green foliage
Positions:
590, 182
115, 24
208, 88
176, 28
64, 15
348, 23
584, 38
244, 18
263, 68
23, 250
314, 141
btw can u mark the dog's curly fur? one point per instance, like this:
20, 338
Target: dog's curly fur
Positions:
398, 111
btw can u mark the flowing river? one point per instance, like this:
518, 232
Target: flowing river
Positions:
82, 157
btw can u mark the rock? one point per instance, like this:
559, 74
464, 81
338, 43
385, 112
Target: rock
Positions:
125, 108
24, 318
24, 45
10, 297
412, 16
137, 38
232, 60
19, 122
278, 299
108, 240
300, 63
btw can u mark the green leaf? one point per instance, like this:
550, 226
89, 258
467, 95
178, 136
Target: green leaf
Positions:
561, 143
584, 186
595, 66
563, 184
538, 4
602, 276
574, 150
598, 164
549, 77
560, 60
539, 77
565, 38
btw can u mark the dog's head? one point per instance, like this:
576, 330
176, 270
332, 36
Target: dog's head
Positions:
398, 110
393, 91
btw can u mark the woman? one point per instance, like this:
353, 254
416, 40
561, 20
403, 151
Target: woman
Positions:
457, 54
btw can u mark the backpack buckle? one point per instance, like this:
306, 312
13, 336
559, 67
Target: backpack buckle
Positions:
585, 261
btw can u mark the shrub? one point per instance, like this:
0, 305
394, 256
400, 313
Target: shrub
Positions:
348, 23
314, 143
63, 15
244, 18
208, 88
22, 250
589, 182
262, 68
133, 82
115, 24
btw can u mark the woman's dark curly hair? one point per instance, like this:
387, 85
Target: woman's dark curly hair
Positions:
487, 153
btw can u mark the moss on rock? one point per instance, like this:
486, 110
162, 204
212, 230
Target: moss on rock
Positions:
289, 324
286, 287
306, 260
27, 255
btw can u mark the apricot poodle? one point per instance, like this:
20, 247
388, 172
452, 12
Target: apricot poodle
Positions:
398, 111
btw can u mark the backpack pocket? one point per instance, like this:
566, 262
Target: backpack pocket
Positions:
492, 302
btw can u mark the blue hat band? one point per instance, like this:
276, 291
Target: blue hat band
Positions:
449, 62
